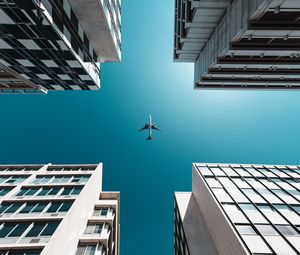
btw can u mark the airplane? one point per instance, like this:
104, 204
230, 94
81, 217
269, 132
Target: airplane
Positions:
150, 126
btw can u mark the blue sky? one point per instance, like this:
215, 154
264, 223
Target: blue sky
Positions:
198, 126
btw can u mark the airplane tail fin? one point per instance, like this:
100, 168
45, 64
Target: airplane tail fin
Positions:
149, 137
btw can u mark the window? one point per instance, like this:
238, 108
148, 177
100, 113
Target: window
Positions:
4, 191
12, 179
271, 214
266, 172
270, 197
12, 229
221, 195
34, 207
205, 171
283, 184
245, 230
95, 228
242, 172
42, 229
255, 183
256, 244
234, 213
9, 207
241, 183
266, 230
269, 184
296, 208
294, 193
18, 230
237, 195
86, 250
61, 179
59, 207
229, 171
285, 196
42, 179
27, 192
101, 211
217, 171
71, 191
253, 196
289, 214
279, 173
253, 214
295, 183
287, 230
213, 182
47, 191
254, 172
279, 245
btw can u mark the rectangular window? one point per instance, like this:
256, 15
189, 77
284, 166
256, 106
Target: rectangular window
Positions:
86, 250
18, 230
27, 191
289, 214
49, 229
253, 214
94, 228
235, 214
101, 211
9, 207
253, 196
272, 215
266, 230
285, 196
4, 191
59, 207
44, 191
42, 229
222, 195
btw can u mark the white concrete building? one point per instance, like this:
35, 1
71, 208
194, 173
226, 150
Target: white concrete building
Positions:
239, 209
57, 44
57, 209
249, 44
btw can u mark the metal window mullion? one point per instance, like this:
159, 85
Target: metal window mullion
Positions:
53, 41
20, 209
238, 206
271, 205
26, 231
16, 225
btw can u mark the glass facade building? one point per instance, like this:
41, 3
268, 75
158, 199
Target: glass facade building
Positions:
57, 44
45, 207
255, 207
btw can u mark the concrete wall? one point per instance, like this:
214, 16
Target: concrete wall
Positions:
196, 233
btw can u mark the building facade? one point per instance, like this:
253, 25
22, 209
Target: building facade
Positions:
239, 209
57, 209
239, 44
57, 44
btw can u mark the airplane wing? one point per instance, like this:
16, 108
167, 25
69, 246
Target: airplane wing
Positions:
155, 127
144, 127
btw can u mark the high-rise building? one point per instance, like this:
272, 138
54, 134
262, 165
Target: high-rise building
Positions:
239, 43
239, 209
57, 44
57, 209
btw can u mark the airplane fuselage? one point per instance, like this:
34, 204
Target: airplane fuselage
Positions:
150, 126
